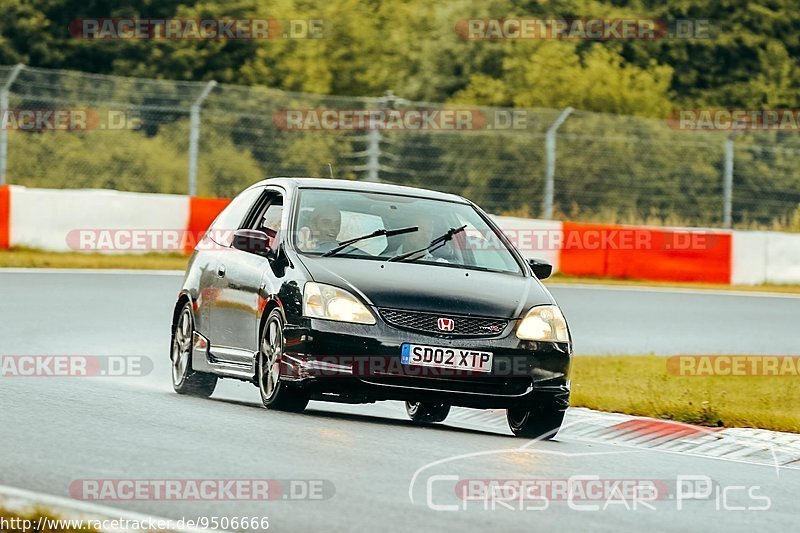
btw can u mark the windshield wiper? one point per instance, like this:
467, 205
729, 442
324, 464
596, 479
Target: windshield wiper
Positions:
377, 233
435, 244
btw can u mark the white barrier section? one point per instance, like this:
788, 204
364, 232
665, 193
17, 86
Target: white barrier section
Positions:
48, 218
749, 257
783, 258
539, 239
107, 221
765, 257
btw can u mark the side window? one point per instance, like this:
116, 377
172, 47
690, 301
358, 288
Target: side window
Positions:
267, 214
270, 221
229, 220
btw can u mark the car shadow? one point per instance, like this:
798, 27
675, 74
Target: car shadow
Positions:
372, 419
365, 418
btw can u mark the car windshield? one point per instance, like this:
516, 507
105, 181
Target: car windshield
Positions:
325, 218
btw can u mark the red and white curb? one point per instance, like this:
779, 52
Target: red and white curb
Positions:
17, 500
755, 446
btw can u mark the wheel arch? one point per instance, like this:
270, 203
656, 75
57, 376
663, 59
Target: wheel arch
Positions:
183, 299
272, 303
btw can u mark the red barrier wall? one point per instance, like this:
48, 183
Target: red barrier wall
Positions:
5, 216
645, 253
202, 212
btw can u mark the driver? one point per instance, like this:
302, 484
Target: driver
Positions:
419, 240
321, 232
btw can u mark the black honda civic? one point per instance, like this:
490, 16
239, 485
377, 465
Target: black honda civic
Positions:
344, 291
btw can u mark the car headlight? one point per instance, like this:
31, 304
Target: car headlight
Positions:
544, 323
333, 303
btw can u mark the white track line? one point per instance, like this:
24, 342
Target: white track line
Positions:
675, 290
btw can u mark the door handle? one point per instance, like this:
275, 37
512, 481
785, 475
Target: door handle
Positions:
221, 271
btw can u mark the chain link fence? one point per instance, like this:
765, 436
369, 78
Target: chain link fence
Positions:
214, 139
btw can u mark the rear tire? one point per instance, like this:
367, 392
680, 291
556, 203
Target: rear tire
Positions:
275, 393
427, 412
540, 420
184, 379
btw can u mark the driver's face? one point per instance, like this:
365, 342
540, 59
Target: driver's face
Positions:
422, 237
325, 225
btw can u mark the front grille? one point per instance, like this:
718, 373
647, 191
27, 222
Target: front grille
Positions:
464, 326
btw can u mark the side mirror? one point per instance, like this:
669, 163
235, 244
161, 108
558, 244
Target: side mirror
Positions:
255, 242
541, 269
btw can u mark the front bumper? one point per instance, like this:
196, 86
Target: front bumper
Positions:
361, 363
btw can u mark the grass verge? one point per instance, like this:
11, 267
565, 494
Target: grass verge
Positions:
641, 385
28, 521
29, 258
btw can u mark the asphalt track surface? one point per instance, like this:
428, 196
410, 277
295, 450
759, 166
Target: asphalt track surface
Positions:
54, 431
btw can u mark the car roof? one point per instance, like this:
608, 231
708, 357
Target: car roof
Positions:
361, 186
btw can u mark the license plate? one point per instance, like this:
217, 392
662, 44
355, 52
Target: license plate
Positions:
440, 357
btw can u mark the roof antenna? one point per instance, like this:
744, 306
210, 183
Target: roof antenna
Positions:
330, 167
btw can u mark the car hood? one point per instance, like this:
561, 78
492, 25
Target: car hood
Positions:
433, 288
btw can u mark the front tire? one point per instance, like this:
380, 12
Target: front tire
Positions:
276, 393
540, 420
427, 412
184, 379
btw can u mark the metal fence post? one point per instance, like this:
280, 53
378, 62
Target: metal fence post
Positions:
373, 154
550, 163
194, 136
3, 118
727, 185
374, 141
